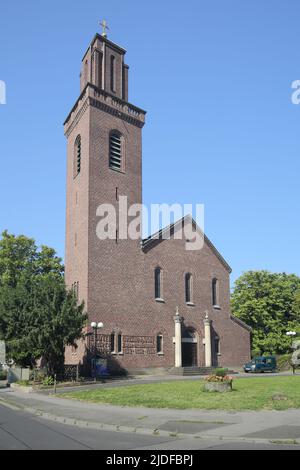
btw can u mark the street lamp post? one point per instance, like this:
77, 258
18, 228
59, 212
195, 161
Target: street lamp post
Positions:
95, 327
292, 334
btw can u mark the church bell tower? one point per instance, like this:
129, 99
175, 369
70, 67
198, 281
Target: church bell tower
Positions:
104, 162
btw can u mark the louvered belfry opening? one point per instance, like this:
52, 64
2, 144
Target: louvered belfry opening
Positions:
115, 151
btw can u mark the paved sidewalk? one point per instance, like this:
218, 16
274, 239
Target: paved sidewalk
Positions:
263, 426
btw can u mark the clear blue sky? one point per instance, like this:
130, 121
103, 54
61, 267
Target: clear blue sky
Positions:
215, 78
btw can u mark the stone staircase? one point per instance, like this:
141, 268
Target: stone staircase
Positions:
191, 370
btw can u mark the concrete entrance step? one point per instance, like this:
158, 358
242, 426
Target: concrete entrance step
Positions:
192, 370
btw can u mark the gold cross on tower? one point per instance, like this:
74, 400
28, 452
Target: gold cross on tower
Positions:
104, 28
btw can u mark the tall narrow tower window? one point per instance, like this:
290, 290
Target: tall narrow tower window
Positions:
188, 288
158, 283
215, 292
77, 156
116, 158
112, 73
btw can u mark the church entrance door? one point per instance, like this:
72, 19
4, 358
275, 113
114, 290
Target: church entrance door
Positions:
189, 354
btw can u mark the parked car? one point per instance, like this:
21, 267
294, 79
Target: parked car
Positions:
261, 364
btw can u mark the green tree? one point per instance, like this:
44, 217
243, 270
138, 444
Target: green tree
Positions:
20, 257
266, 302
38, 315
296, 311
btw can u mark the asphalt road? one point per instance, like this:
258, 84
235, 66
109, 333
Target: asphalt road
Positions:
22, 431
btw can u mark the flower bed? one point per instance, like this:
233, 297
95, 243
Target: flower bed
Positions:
218, 383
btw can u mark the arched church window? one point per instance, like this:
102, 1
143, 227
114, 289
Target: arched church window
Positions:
215, 292
189, 333
119, 343
158, 283
188, 288
159, 344
77, 156
112, 342
116, 343
116, 151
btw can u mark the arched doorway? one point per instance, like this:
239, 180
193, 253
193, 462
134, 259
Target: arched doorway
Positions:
189, 348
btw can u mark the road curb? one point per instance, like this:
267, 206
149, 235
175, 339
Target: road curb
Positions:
140, 430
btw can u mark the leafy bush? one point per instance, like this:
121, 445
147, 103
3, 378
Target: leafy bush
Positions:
284, 362
38, 375
24, 383
255, 353
3, 374
48, 380
221, 372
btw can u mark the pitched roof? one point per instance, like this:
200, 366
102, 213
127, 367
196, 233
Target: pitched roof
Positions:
170, 229
240, 322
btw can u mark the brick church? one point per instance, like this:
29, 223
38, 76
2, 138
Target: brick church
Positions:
155, 303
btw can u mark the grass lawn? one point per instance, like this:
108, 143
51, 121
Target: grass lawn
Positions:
269, 393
